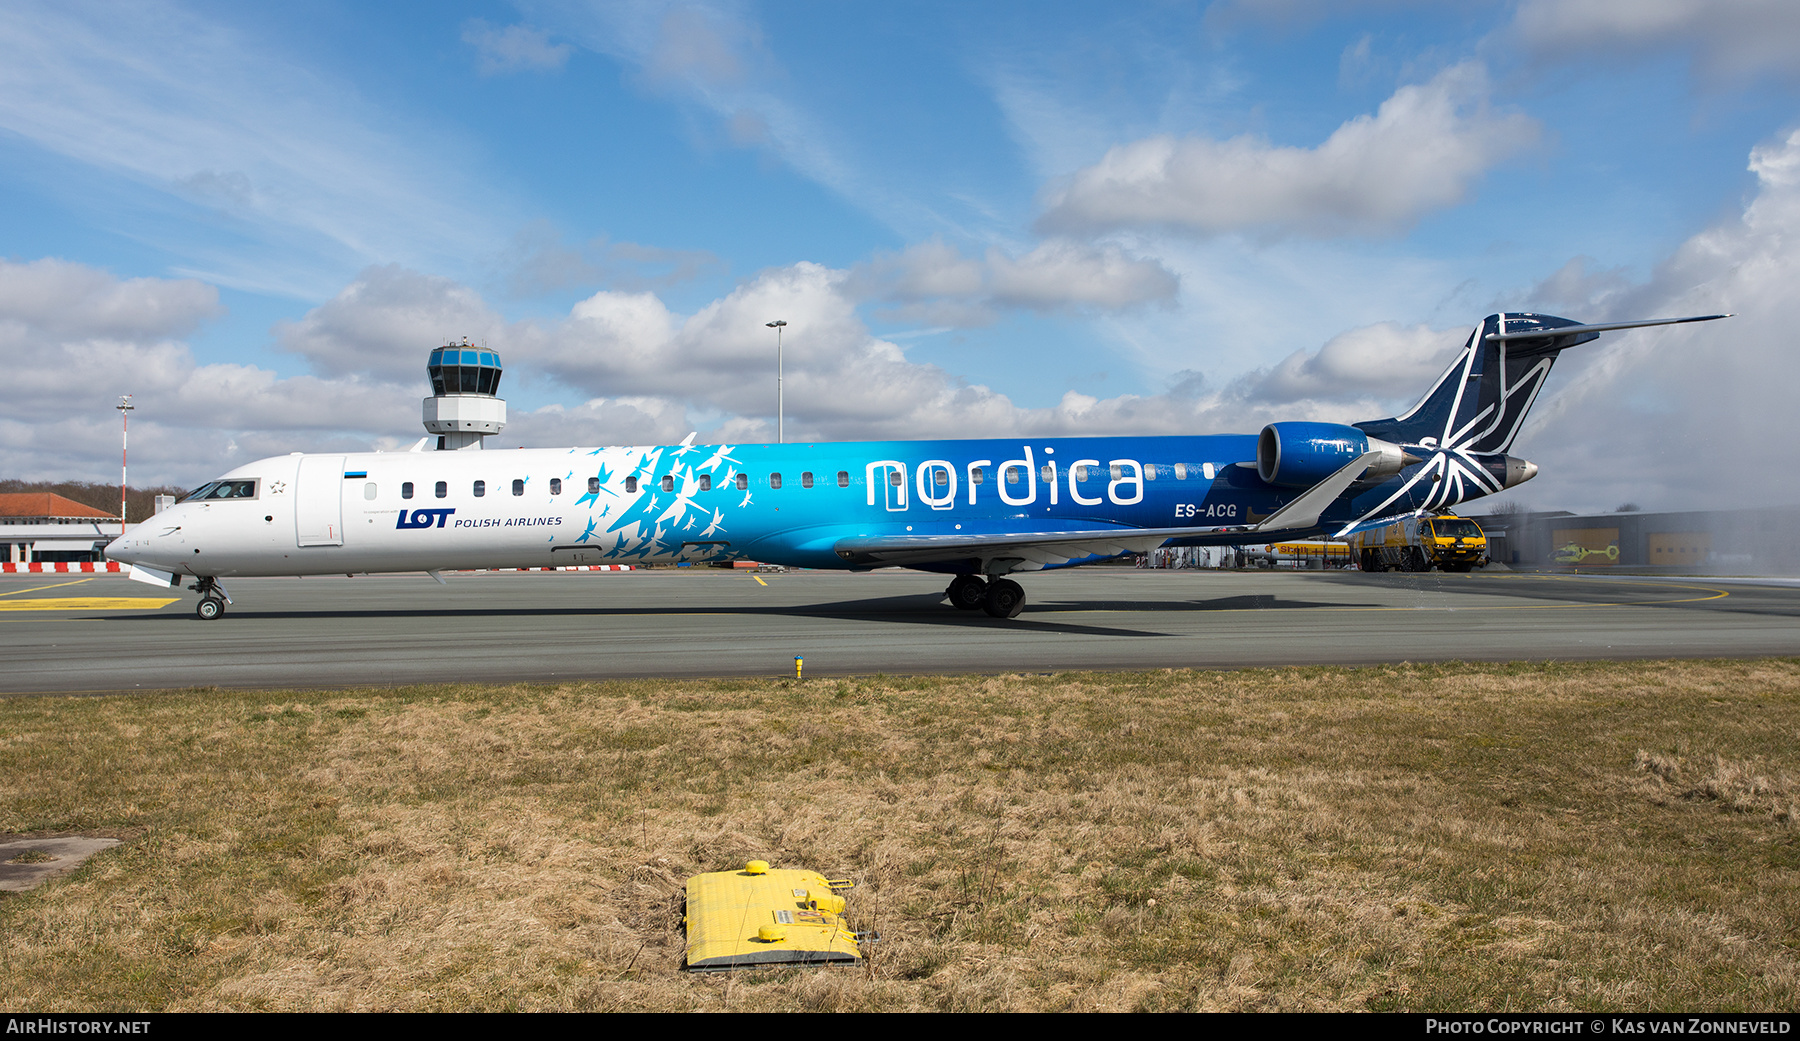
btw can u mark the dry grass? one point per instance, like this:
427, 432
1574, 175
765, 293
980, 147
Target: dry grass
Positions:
1418, 837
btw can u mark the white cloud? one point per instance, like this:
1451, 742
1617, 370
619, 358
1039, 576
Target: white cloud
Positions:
540, 262
646, 374
74, 338
1423, 150
1060, 272
76, 300
1697, 416
936, 283
514, 48
600, 421
302, 168
1375, 361
1731, 39
386, 321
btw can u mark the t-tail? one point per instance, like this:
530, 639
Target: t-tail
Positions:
1479, 403
1454, 444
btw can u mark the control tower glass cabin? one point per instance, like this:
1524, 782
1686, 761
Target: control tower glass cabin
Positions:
464, 407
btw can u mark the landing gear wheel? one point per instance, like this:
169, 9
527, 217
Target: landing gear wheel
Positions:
209, 608
1005, 599
967, 592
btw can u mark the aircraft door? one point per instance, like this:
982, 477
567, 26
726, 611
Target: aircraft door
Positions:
319, 501
890, 474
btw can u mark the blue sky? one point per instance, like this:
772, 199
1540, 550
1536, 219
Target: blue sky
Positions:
979, 220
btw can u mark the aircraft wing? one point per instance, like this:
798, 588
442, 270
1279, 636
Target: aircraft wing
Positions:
1032, 551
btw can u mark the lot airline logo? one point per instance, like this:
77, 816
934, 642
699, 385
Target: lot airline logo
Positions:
425, 518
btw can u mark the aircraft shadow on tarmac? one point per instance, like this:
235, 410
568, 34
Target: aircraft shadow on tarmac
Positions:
911, 609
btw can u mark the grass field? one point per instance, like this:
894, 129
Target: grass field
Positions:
1562, 836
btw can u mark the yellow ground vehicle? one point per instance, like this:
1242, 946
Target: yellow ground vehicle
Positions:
1446, 542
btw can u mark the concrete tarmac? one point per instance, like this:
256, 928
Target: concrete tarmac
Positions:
64, 633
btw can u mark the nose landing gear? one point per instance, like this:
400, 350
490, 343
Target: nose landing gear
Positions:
213, 599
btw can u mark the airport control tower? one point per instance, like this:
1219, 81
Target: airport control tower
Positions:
463, 407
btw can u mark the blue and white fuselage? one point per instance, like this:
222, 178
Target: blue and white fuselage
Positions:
974, 508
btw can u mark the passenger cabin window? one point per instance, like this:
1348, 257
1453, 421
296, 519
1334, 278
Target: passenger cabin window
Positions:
977, 475
895, 479
774, 480
555, 486
406, 490
630, 485
806, 479
1117, 471
843, 478
443, 489
1047, 473
1181, 471
742, 481
1150, 471
369, 490
668, 482
1081, 473
594, 485
518, 486
1013, 474
706, 482
480, 489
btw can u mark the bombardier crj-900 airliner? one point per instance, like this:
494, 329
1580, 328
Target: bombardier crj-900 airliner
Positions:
975, 510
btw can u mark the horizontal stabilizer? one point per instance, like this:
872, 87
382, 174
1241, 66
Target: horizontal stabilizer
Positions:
1575, 330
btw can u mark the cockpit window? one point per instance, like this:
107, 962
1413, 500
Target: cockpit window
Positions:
224, 490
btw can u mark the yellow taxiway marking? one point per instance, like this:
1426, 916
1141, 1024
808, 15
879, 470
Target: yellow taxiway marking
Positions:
53, 585
759, 580
87, 603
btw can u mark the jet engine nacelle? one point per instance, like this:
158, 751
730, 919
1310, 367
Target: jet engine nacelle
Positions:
1300, 455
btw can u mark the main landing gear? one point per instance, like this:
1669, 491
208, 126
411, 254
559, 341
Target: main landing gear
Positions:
1000, 598
212, 599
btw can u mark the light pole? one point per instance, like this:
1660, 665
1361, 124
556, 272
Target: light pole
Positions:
125, 408
780, 390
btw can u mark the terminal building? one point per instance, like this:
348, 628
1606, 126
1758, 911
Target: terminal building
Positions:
43, 527
1725, 542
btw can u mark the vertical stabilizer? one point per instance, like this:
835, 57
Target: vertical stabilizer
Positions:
1480, 401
